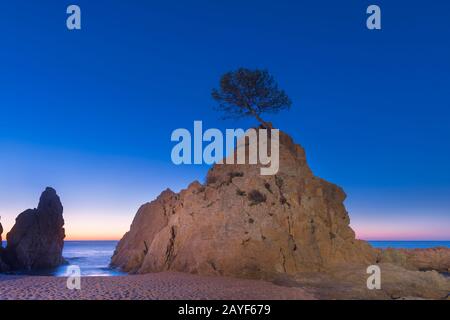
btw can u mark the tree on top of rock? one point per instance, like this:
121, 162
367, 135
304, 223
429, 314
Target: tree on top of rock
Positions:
247, 92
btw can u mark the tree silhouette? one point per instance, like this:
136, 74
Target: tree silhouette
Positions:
247, 92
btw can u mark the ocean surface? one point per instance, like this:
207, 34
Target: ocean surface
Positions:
409, 244
93, 257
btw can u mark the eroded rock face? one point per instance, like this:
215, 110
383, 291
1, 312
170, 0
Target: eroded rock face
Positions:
243, 224
3, 266
350, 283
437, 259
36, 240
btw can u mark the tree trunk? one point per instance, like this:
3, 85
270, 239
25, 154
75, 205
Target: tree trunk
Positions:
264, 123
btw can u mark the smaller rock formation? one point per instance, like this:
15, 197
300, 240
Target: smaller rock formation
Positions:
3, 266
397, 283
437, 259
36, 241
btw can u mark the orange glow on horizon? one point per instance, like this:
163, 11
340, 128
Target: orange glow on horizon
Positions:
93, 237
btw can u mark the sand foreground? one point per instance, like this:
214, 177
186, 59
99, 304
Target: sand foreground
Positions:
156, 286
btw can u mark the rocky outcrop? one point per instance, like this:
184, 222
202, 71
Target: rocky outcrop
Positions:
240, 223
397, 283
3, 266
36, 240
437, 259
291, 228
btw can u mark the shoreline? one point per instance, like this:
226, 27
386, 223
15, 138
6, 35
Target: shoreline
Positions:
156, 286
341, 285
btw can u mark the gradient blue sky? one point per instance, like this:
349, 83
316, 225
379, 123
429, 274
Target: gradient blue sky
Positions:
90, 112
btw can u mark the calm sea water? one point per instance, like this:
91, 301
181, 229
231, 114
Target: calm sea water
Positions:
409, 244
93, 257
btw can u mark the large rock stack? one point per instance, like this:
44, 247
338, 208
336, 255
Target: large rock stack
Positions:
3, 266
36, 240
240, 223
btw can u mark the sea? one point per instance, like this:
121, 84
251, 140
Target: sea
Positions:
409, 244
93, 257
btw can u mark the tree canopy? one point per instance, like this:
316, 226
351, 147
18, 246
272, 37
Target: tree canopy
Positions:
247, 92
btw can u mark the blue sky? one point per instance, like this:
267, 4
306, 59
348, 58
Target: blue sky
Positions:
90, 112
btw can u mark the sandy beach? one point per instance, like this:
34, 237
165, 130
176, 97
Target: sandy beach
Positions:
157, 286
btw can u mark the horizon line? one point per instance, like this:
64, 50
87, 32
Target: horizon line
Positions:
367, 240
402, 240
